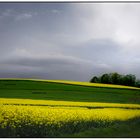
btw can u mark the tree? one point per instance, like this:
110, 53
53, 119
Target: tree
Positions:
115, 78
105, 78
129, 80
137, 84
94, 80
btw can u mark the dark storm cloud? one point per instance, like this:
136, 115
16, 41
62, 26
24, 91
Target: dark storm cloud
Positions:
56, 68
68, 40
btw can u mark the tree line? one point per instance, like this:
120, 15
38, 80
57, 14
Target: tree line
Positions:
116, 78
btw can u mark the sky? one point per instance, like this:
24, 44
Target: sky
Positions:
69, 41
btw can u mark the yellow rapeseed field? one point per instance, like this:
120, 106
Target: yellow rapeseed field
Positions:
64, 103
11, 114
92, 84
19, 119
14, 115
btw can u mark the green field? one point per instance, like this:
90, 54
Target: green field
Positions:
51, 108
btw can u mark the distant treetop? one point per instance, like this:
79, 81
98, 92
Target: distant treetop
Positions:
118, 79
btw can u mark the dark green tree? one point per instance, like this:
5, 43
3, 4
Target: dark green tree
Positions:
105, 78
94, 80
115, 78
129, 80
137, 84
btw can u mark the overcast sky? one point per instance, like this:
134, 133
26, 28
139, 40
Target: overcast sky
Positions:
73, 41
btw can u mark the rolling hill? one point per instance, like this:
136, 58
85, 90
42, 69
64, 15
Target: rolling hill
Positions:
73, 108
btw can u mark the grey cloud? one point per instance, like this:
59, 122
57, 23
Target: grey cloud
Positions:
12, 15
36, 61
24, 16
68, 40
66, 68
